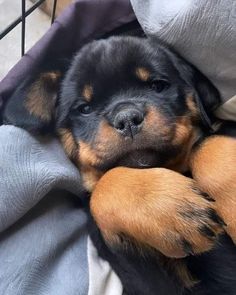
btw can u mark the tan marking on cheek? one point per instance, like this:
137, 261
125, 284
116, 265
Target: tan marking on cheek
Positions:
182, 131
142, 73
192, 106
87, 92
105, 130
107, 141
87, 156
107, 134
68, 142
41, 98
156, 123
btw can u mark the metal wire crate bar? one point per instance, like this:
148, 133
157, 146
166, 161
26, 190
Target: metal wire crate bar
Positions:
21, 19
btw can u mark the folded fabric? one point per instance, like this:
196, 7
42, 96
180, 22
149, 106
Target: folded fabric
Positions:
43, 240
44, 246
204, 32
30, 171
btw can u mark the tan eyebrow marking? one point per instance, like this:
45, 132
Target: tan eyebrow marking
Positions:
142, 73
87, 92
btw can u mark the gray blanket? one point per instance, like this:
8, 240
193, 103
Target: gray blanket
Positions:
44, 245
41, 252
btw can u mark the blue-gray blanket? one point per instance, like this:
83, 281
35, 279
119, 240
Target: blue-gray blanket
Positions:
44, 244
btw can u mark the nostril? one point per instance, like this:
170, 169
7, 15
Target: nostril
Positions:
137, 119
121, 125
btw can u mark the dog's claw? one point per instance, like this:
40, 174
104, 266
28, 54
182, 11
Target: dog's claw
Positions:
215, 217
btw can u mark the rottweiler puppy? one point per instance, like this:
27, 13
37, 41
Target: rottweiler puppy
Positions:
137, 121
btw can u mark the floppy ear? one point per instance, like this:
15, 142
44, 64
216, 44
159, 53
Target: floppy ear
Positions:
207, 97
206, 94
33, 104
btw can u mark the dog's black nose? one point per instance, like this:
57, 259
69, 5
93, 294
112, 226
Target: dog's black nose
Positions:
129, 121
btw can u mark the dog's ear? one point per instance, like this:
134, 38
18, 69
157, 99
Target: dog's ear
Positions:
33, 104
207, 97
206, 94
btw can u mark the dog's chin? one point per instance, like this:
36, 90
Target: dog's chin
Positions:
139, 159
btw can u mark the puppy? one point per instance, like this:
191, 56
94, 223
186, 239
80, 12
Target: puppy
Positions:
134, 117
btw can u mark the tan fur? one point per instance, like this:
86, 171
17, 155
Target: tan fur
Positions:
87, 92
213, 166
87, 156
194, 112
182, 131
87, 160
90, 177
184, 124
142, 73
107, 137
68, 142
156, 123
146, 205
41, 97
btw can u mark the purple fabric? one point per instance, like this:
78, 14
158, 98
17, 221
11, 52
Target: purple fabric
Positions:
80, 22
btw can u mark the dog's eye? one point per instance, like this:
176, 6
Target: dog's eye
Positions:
85, 109
159, 85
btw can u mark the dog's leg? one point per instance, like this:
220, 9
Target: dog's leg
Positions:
155, 207
213, 166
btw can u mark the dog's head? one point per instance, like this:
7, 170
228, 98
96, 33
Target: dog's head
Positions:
124, 101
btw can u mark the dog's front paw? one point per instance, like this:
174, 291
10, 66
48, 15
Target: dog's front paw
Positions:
158, 208
188, 222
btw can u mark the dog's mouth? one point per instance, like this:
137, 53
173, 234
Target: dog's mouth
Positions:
139, 159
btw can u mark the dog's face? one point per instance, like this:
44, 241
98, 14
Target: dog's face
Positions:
129, 101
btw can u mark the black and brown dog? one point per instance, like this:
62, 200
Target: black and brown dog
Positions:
127, 103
